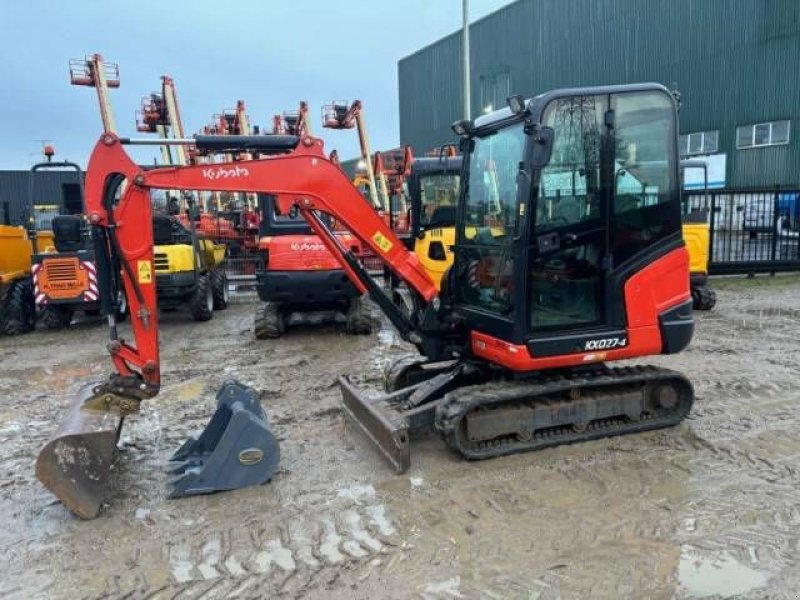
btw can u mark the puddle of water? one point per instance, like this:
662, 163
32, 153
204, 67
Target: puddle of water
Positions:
378, 517
723, 575
443, 589
274, 553
358, 533
180, 564
329, 548
211, 555
387, 337
357, 492
189, 390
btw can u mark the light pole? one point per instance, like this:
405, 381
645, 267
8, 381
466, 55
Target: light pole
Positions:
465, 53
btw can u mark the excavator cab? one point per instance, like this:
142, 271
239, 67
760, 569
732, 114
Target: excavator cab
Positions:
565, 203
568, 254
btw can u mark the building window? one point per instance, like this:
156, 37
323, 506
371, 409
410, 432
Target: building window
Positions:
762, 134
701, 142
494, 90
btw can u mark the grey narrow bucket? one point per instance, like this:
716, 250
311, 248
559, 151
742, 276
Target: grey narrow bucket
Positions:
236, 449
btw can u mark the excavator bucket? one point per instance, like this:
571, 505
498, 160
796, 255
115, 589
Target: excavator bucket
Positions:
75, 463
236, 449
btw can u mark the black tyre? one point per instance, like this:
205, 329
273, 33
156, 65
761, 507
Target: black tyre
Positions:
54, 316
703, 298
270, 322
201, 304
219, 287
17, 309
358, 320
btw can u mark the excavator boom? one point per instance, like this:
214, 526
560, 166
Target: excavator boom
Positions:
295, 169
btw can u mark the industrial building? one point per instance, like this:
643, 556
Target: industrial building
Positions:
734, 63
54, 192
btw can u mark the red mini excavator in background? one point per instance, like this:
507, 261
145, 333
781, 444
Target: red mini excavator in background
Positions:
302, 282
557, 272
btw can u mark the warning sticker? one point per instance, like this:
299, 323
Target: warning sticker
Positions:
384, 244
145, 272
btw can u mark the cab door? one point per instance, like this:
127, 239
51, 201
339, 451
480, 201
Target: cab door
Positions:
568, 262
606, 206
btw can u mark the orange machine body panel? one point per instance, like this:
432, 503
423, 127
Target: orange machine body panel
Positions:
659, 286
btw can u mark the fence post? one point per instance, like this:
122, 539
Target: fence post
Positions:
775, 233
711, 225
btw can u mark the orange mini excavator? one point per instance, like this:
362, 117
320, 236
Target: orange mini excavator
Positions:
559, 269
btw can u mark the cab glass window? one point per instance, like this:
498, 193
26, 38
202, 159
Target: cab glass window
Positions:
439, 193
490, 209
645, 173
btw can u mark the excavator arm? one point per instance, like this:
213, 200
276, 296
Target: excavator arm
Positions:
295, 170
76, 461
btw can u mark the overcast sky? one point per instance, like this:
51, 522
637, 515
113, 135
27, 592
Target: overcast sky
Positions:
270, 53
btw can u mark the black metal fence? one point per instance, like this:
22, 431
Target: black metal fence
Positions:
752, 231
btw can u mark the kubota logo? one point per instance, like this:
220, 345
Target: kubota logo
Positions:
306, 247
223, 173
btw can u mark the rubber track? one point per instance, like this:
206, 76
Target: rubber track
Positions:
458, 403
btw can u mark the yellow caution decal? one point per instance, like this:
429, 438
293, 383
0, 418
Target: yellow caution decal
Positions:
145, 271
382, 243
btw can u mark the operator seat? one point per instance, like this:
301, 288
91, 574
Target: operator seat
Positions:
443, 216
67, 233
162, 230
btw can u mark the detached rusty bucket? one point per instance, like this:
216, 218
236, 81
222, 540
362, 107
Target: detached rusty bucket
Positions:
75, 463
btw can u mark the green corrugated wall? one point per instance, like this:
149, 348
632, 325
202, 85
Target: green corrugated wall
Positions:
735, 62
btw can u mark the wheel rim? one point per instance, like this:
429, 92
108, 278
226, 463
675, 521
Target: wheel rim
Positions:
225, 291
122, 302
209, 299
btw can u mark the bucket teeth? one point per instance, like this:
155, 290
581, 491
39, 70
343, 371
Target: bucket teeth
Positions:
236, 449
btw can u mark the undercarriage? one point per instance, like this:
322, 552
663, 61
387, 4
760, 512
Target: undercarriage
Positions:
481, 411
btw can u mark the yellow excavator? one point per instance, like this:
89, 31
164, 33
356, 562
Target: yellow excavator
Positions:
697, 236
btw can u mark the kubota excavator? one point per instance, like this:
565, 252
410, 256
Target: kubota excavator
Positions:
558, 270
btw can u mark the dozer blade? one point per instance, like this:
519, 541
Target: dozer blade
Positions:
236, 449
384, 426
74, 464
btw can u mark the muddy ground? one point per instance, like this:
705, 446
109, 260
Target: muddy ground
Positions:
709, 508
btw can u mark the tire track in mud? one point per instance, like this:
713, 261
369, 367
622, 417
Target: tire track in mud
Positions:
609, 518
354, 533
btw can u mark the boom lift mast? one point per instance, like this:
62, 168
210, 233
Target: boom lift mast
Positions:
94, 72
338, 115
513, 347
